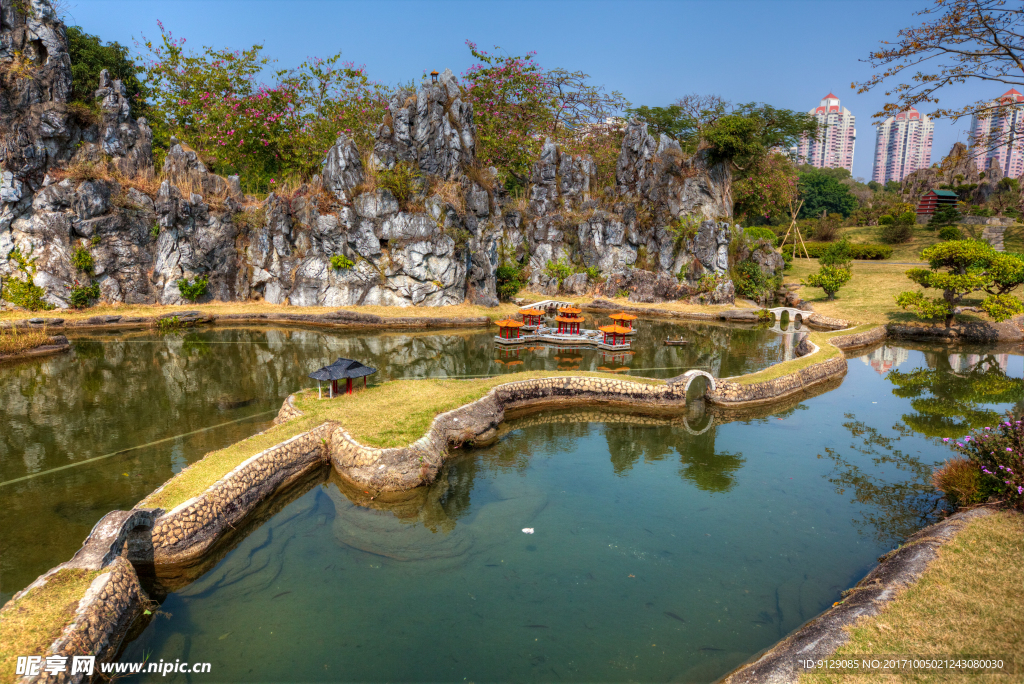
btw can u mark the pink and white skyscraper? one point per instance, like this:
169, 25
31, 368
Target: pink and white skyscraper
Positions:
1000, 137
903, 144
834, 148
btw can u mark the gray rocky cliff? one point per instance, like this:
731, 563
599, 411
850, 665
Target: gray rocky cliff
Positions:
72, 181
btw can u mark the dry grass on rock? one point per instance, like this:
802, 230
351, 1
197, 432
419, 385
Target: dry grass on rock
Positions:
14, 341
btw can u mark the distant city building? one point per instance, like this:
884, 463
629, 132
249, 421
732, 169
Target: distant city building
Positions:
1006, 128
903, 144
834, 149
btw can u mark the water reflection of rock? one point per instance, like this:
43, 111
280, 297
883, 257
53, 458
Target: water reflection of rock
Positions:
948, 393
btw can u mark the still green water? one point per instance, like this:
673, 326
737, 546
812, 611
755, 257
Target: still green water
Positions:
657, 554
159, 402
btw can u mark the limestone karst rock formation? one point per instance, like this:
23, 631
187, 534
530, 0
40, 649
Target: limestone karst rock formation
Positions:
149, 228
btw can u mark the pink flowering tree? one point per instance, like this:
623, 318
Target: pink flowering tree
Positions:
512, 103
215, 102
766, 190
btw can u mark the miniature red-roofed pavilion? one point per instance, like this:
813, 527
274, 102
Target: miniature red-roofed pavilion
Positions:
532, 317
623, 319
569, 325
616, 332
509, 329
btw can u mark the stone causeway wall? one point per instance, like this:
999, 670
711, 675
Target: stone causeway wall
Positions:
745, 394
401, 468
184, 533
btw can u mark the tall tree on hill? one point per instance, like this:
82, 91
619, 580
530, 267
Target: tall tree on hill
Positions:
821, 192
959, 41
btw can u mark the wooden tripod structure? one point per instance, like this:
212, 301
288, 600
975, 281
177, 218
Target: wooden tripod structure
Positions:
793, 226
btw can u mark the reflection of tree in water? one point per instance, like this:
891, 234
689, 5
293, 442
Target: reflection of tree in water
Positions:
892, 510
700, 464
947, 401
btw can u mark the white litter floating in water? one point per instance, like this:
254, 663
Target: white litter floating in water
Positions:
527, 530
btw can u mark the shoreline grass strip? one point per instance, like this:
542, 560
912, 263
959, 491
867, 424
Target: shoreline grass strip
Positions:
967, 603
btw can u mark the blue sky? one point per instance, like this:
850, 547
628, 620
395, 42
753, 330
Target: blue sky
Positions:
783, 52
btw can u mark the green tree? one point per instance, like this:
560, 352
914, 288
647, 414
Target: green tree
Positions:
829, 279
821, 192
959, 268
754, 130
89, 56
946, 216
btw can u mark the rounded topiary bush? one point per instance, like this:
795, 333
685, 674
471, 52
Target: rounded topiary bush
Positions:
951, 233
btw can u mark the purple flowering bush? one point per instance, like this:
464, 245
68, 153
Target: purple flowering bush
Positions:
997, 454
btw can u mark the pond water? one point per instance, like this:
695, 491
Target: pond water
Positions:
96, 430
656, 554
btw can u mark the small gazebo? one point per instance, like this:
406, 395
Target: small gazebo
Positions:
568, 324
508, 329
623, 319
615, 332
532, 317
342, 369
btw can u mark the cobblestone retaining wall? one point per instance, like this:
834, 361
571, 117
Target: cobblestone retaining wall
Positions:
184, 533
477, 423
858, 340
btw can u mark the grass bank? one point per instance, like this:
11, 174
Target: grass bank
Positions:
392, 414
29, 625
14, 342
225, 308
870, 296
968, 602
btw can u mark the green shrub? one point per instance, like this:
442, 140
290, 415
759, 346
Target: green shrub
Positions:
960, 480
155, 231
401, 180
829, 279
951, 233
762, 233
95, 240
22, 291
885, 220
511, 280
896, 233
82, 296
82, 260
753, 283
560, 270
593, 272
341, 262
838, 254
857, 251
193, 290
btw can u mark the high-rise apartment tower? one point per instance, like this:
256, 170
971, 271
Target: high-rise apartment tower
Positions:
999, 137
903, 144
834, 148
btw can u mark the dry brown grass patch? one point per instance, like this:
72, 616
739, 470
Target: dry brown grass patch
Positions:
13, 341
450, 192
967, 603
29, 625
